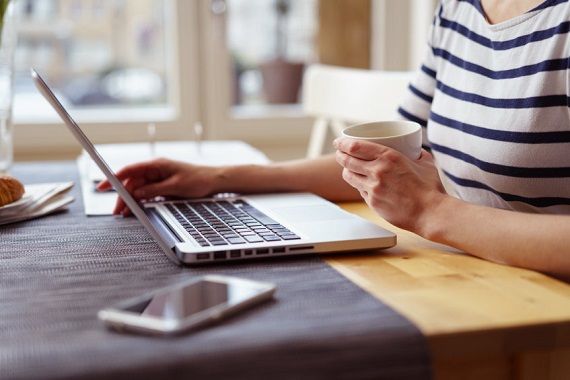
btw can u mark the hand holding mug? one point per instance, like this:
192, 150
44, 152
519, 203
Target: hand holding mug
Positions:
385, 163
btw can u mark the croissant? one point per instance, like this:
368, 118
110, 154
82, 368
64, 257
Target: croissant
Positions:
10, 190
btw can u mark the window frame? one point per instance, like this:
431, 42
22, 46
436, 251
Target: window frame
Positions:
37, 139
276, 126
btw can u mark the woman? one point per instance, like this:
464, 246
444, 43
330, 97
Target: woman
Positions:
494, 96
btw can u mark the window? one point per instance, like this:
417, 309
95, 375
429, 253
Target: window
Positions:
270, 43
96, 55
117, 64
242, 41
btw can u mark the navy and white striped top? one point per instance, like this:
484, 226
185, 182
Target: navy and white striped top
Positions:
495, 101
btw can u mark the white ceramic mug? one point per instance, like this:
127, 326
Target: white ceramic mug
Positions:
403, 136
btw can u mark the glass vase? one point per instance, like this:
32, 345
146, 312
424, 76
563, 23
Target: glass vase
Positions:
7, 46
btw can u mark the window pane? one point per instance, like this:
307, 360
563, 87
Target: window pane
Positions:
270, 42
94, 52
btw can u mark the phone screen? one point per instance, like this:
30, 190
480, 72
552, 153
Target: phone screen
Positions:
184, 301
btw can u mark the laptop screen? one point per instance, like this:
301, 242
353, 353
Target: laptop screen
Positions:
98, 159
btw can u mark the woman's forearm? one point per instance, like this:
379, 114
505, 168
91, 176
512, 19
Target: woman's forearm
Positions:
540, 242
322, 176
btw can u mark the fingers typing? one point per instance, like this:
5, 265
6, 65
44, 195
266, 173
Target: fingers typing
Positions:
163, 188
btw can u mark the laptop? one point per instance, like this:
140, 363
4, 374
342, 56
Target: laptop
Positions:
200, 231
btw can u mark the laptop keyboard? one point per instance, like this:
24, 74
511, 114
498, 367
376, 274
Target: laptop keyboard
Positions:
213, 223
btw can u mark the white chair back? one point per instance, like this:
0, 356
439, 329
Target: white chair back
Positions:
338, 96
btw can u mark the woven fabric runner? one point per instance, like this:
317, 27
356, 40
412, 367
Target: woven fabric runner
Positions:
57, 272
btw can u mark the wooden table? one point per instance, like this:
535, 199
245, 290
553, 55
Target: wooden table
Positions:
482, 320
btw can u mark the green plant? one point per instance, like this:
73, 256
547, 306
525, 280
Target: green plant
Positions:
3, 7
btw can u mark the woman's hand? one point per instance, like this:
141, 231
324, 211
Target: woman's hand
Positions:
163, 177
401, 190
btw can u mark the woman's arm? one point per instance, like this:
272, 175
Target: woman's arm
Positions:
164, 177
321, 176
540, 242
409, 194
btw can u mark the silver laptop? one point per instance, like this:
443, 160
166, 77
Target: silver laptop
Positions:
200, 231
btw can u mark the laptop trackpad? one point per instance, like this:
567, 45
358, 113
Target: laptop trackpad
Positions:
311, 213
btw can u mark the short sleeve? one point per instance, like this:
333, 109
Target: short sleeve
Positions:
416, 104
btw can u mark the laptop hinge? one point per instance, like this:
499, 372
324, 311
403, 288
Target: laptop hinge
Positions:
162, 227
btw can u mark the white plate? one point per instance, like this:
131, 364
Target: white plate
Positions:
24, 201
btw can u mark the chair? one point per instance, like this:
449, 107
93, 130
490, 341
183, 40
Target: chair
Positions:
337, 96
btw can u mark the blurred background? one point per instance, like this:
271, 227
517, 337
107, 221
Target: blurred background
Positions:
234, 65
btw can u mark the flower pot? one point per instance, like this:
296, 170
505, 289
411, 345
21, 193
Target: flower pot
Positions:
281, 81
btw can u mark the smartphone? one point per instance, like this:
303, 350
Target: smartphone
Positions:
186, 306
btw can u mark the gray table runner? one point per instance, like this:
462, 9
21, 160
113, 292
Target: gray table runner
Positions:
57, 272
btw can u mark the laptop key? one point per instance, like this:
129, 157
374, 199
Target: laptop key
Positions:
271, 238
236, 240
258, 215
290, 237
269, 235
253, 239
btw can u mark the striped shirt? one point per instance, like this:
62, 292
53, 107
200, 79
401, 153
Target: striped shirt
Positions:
495, 104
